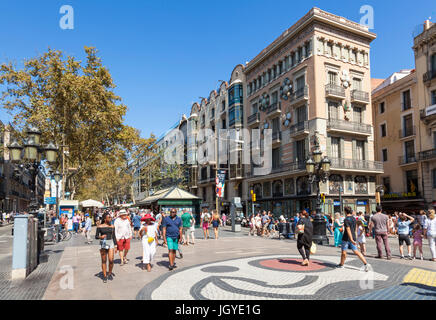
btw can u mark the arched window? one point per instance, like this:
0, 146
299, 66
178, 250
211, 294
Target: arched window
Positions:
258, 190
303, 186
289, 186
335, 184
360, 185
277, 188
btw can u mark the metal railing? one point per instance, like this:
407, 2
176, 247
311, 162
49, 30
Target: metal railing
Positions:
300, 93
288, 167
407, 159
273, 107
349, 126
276, 136
429, 75
335, 90
299, 127
360, 95
427, 155
352, 164
253, 118
407, 132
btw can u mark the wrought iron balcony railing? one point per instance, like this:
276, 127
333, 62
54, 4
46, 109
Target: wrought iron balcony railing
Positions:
300, 93
407, 132
288, 167
358, 95
274, 107
253, 118
299, 127
427, 155
352, 164
429, 75
407, 159
349, 126
334, 90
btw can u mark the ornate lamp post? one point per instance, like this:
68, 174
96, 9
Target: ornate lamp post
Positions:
318, 169
31, 159
57, 178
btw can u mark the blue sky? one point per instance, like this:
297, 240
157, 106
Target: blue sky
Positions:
164, 54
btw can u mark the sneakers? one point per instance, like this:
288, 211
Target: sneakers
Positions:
367, 267
104, 279
171, 268
340, 266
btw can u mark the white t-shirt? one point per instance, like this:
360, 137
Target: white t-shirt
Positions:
205, 216
431, 227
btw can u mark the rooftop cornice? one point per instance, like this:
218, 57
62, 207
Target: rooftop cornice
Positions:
315, 14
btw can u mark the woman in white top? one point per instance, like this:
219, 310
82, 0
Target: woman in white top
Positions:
148, 233
430, 233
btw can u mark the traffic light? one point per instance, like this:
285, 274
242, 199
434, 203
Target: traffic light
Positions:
253, 197
323, 197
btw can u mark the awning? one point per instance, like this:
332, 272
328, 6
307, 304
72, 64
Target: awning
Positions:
91, 204
170, 196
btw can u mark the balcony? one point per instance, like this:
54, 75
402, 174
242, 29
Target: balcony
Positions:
349, 127
428, 114
357, 165
299, 129
427, 155
253, 119
359, 96
409, 159
407, 132
236, 172
273, 109
292, 167
301, 94
429, 75
334, 91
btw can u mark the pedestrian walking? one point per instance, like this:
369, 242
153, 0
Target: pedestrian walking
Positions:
305, 234
87, 228
403, 225
417, 234
216, 221
172, 228
379, 225
339, 229
361, 237
205, 218
224, 219
106, 234
349, 240
123, 232
136, 220
328, 224
258, 224
192, 230
430, 233
187, 223
148, 234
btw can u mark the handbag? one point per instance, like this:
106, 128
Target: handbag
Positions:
104, 244
150, 239
313, 248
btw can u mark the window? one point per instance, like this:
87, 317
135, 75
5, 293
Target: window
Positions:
434, 139
330, 49
274, 97
407, 103
300, 82
300, 54
357, 114
212, 113
433, 174
224, 124
289, 186
387, 184
385, 155
336, 184
433, 63
382, 107
300, 150
407, 126
433, 97
308, 49
276, 158
360, 185
336, 147
254, 108
383, 129
357, 84
360, 150
301, 114
412, 181
333, 78
409, 148
293, 62
267, 189
276, 125
333, 110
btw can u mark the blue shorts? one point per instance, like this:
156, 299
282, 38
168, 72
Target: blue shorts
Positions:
348, 245
173, 243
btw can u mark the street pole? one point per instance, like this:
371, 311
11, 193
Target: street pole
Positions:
216, 168
340, 200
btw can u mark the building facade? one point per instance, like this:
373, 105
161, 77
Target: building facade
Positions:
404, 107
313, 83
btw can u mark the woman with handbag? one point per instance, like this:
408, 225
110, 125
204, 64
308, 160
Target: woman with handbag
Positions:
305, 234
149, 236
339, 229
106, 234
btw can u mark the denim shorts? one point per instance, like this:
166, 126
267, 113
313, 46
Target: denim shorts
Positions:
348, 245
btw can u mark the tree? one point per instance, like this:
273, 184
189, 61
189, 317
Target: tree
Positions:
73, 104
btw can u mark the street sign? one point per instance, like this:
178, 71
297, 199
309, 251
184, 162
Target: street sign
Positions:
50, 200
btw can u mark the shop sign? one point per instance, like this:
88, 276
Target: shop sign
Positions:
361, 203
399, 195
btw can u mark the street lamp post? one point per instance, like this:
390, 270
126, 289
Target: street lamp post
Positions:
318, 169
57, 178
29, 157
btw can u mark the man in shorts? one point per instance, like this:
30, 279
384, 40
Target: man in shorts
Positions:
187, 222
136, 220
172, 229
123, 234
349, 240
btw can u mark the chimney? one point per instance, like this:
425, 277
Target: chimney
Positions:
426, 25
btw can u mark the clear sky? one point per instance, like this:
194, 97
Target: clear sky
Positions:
165, 54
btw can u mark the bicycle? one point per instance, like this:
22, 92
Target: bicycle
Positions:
65, 235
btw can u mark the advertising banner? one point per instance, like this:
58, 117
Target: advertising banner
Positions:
220, 183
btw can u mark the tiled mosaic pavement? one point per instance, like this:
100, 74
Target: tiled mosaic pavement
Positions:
282, 277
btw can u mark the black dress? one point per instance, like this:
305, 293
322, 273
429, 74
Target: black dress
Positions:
304, 240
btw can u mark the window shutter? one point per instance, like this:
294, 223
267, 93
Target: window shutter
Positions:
354, 149
365, 150
329, 146
341, 149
